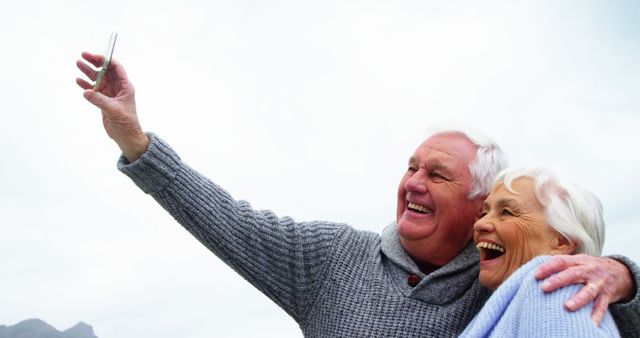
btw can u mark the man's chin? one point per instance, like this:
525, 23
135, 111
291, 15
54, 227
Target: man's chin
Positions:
412, 231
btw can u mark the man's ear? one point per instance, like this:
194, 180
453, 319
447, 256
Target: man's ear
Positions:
479, 203
563, 245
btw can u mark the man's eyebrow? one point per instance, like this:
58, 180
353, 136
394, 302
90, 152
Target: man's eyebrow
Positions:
439, 166
433, 165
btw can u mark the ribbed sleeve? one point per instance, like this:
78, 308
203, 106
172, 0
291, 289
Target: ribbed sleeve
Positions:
282, 258
627, 315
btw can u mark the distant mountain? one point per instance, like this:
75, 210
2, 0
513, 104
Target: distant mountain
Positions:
36, 328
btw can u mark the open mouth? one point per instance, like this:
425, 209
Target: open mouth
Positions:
419, 208
489, 251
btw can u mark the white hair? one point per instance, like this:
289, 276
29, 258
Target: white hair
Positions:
574, 212
489, 160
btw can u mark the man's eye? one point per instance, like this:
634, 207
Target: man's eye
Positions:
437, 176
411, 170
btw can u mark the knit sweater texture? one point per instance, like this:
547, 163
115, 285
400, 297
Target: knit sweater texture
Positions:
334, 280
519, 308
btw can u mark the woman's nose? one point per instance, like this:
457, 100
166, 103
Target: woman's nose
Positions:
483, 224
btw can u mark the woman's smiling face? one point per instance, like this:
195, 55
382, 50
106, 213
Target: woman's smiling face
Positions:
512, 231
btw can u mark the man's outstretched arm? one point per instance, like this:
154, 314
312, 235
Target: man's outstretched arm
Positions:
284, 259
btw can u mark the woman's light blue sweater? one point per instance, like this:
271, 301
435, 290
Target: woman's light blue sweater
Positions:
519, 308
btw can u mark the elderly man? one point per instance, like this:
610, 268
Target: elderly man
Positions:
419, 278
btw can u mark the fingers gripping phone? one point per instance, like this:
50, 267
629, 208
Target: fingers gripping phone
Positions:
107, 60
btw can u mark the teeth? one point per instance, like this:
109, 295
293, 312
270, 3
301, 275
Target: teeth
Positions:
420, 208
491, 246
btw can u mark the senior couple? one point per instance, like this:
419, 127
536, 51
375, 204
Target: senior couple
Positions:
424, 275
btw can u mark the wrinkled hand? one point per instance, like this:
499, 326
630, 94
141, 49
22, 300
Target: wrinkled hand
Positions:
606, 281
116, 99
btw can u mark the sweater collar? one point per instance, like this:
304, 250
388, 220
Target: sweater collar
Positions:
442, 285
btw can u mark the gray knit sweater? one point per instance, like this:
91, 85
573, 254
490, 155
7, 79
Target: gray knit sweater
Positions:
335, 281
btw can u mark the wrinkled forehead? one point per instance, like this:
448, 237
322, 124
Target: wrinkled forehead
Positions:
451, 148
522, 189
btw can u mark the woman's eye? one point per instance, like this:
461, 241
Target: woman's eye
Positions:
506, 212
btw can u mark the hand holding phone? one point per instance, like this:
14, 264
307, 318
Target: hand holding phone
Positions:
107, 60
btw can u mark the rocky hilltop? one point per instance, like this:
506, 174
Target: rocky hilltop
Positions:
36, 328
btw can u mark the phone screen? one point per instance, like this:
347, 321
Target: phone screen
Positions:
107, 60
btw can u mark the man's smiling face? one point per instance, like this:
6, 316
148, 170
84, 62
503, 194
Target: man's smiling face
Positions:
434, 215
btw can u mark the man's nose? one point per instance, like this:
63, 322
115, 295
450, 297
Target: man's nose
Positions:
417, 182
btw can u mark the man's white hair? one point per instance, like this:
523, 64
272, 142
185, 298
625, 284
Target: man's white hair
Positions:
489, 160
574, 212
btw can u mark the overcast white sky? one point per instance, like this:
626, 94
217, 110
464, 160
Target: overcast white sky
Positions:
308, 108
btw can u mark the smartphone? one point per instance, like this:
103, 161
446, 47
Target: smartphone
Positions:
107, 60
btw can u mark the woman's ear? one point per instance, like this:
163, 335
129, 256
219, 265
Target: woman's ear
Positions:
563, 245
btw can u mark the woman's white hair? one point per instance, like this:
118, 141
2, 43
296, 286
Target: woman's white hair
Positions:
574, 212
489, 160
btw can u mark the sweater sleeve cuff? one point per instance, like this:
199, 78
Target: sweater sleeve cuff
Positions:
635, 273
155, 169
627, 314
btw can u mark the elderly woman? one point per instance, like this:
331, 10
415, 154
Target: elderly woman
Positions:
528, 214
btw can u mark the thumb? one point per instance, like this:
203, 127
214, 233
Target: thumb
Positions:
98, 99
